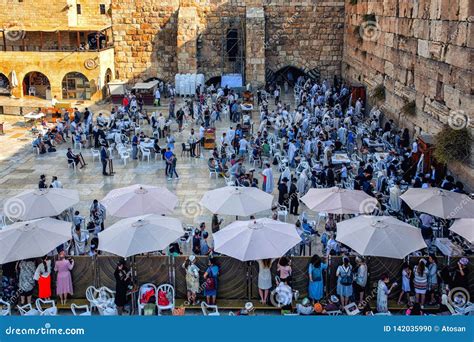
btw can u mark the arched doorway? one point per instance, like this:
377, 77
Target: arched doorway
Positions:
216, 81
107, 78
288, 74
76, 86
37, 84
4, 85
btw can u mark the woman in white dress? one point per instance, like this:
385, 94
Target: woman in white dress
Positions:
264, 279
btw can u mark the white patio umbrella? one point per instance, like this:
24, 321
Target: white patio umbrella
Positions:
336, 200
36, 203
32, 239
439, 202
138, 200
238, 201
465, 228
256, 239
382, 236
14, 80
141, 234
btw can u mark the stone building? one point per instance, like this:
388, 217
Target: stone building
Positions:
62, 48
162, 38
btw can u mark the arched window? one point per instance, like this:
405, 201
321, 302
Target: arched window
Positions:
76, 86
37, 84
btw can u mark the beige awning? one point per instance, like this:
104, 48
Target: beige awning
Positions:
145, 86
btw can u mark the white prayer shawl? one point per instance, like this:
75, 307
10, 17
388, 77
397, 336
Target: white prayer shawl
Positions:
268, 173
301, 183
291, 151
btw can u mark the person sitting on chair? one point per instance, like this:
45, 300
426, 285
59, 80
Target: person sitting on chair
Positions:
74, 158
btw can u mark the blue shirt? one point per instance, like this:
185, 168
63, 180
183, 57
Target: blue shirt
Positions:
168, 155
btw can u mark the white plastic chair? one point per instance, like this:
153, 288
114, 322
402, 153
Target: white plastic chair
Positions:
334, 313
282, 211
141, 305
213, 171
209, 310
27, 310
145, 153
169, 290
124, 155
95, 153
49, 310
78, 145
5, 308
229, 181
71, 163
105, 310
87, 311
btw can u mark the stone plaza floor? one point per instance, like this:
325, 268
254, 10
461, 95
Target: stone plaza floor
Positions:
20, 169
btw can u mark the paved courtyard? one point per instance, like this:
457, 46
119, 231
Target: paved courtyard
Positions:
20, 169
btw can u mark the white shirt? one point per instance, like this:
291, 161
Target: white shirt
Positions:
56, 184
157, 94
243, 144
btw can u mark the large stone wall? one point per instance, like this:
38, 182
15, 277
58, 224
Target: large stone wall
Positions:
419, 51
160, 38
305, 34
34, 14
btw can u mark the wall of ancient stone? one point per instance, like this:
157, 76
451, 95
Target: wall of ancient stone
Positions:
33, 14
419, 51
161, 38
305, 34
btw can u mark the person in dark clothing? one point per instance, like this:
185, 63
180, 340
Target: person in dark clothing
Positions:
283, 192
122, 279
330, 178
42, 182
460, 274
294, 202
103, 159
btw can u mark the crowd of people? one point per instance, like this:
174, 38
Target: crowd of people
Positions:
328, 139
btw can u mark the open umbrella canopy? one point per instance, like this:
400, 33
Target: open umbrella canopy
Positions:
32, 239
136, 200
141, 234
439, 202
236, 200
36, 203
256, 239
465, 228
382, 236
336, 200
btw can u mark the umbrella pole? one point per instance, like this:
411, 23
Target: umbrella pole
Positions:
134, 284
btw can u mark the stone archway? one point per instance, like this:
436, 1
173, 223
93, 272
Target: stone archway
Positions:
288, 73
36, 84
76, 86
4, 85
